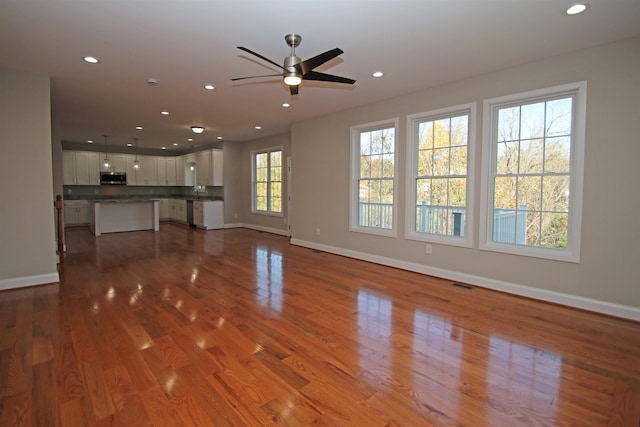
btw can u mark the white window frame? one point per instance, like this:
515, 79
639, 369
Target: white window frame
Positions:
490, 122
355, 176
413, 122
254, 153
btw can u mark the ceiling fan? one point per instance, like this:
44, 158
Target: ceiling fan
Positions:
295, 71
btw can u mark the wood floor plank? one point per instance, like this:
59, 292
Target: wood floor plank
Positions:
237, 327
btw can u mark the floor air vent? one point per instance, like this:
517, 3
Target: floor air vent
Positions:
460, 285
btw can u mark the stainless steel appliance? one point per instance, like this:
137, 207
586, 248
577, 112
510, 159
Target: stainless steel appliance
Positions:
113, 178
190, 213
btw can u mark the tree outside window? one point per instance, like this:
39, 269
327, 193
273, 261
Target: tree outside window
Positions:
267, 186
534, 156
374, 178
440, 158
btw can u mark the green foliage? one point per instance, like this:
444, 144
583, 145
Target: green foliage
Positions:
533, 168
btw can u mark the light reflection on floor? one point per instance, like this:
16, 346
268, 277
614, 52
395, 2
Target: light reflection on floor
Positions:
269, 278
444, 357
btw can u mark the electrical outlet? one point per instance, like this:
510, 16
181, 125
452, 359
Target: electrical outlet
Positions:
317, 231
428, 249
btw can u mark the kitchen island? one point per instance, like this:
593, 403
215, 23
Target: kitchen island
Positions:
117, 215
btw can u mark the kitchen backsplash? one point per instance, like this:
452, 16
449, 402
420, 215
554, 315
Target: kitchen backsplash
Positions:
78, 192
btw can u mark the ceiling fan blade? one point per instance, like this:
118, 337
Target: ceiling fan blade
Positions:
255, 77
294, 89
311, 63
261, 57
323, 77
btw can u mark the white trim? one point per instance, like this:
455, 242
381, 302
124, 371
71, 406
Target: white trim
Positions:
412, 120
266, 229
489, 124
355, 171
234, 225
253, 154
26, 281
589, 304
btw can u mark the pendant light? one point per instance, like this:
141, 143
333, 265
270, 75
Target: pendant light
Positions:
136, 163
106, 164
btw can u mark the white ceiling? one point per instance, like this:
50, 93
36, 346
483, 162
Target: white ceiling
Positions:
186, 44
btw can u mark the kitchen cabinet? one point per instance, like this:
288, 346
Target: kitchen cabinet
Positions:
146, 175
189, 162
178, 210
117, 162
180, 181
166, 171
77, 212
80, 168
149, 166
209, 168
208, 214
217, 172
201, 168
164, 210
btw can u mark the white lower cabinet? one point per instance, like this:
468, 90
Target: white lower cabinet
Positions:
77, 212
208, 215
178, 210
164, 210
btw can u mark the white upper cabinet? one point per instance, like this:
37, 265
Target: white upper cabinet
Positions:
217, 168
166, 171
201, 168
80, 168
149, 166
209, 170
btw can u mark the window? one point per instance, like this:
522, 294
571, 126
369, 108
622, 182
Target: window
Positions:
374, 178
267, 181
439, 160
534, 151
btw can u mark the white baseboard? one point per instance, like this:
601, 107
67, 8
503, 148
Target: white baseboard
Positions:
266, 229
23, 282
234, 225
598, 306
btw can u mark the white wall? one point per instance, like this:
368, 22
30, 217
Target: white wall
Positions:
27, 252
605, 280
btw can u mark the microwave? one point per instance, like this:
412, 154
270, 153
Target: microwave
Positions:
113, 178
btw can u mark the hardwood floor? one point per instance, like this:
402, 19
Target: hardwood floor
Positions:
236, 327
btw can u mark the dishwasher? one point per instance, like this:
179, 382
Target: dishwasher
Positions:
190, 213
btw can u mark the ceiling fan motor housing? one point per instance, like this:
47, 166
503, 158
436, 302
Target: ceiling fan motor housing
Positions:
290, 63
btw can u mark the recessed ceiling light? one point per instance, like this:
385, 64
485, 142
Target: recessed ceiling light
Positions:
286, 105
175, 144
164, 148
190, 139
164, 113
197, 129
378, 74
90, 141
209, 87
258, 127
139, 127
577, 9
219, 137
129, 144
91, 59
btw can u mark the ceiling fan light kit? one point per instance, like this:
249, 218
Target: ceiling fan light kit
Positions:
295, 71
